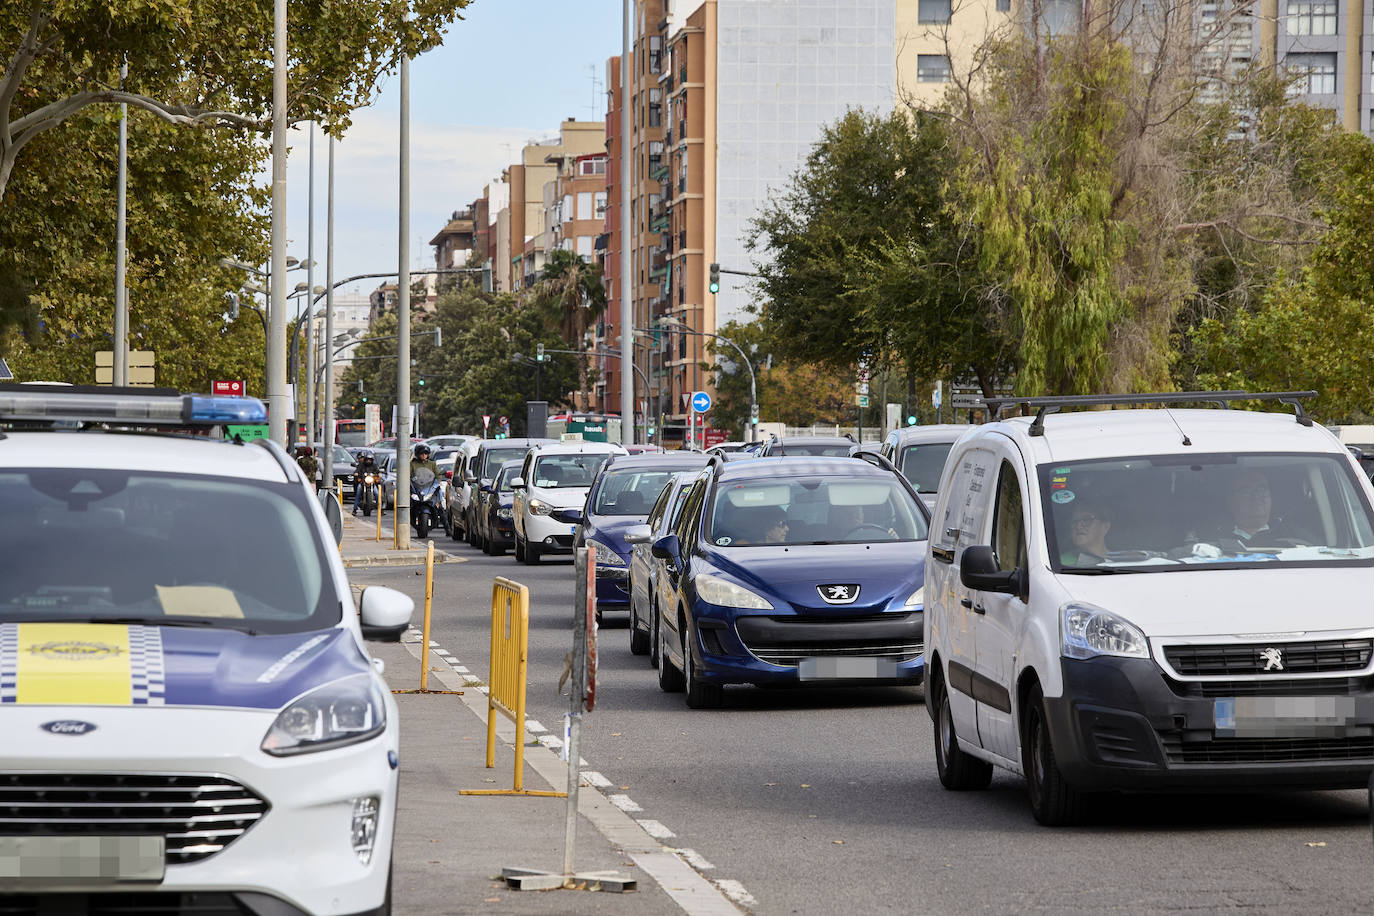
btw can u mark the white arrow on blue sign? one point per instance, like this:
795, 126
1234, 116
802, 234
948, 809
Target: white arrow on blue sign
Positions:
701, 402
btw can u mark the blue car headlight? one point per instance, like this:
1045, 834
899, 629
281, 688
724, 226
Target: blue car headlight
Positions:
605, 556
724, 593
917, 599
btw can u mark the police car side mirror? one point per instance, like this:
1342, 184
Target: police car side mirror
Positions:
979, 571
385, 613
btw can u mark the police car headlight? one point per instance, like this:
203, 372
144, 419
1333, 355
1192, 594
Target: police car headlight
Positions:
1087, 631
503, 512
918, 598
539, 507
724, 593
605, 556
345, 712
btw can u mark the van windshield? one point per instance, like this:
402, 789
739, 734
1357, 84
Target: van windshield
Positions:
1173, 512
923, 464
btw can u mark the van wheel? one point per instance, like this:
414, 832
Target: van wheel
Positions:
700, 695
669, 678
1054, 802
958, 770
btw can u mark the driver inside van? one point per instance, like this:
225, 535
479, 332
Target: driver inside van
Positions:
1088, 527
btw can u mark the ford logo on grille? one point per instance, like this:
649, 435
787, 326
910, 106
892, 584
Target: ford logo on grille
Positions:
68, 727
838, 594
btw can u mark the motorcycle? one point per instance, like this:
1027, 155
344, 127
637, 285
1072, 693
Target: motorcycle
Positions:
426, 498
368, 497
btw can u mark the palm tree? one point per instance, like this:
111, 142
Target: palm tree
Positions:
573, 286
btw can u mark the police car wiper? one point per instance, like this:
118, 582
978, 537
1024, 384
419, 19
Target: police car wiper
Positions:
174, 621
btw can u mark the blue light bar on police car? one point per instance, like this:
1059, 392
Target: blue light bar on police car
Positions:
128, 408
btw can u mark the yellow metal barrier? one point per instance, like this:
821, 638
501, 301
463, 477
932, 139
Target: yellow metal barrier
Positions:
510, 624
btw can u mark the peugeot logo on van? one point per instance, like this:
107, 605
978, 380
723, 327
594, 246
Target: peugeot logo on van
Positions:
838, 594
1272, 658
68, 727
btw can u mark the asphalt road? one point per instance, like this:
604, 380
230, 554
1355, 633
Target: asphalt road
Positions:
826, 801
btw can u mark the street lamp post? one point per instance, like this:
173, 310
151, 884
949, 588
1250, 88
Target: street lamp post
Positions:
674, 324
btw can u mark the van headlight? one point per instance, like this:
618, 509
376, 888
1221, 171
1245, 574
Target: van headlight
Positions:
605, 556
1087, 631
348, 711
724, 593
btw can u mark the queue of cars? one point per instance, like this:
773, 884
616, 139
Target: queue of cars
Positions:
1232, 656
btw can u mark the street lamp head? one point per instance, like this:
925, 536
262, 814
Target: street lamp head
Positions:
251, 288
236, 265
302, 287
291, 261
671, 322
318, 290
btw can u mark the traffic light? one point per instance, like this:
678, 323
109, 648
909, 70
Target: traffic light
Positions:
422, 381
715, 278
539, 353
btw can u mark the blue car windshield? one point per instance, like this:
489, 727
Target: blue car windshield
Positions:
1178, 512
814, 510
630, 492
92, 545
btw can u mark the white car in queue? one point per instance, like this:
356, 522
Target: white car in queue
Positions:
550, 495
191, 716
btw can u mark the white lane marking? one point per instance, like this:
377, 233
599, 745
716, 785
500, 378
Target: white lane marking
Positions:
668, 867
550, 742
596, 779
655, 829
471, 679
624, 803
459, 668
533, 725
736, 892
694, 859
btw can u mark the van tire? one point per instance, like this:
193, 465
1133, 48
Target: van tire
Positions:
958, 770
1054, 802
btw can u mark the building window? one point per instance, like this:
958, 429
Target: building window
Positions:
655, 155
655, 107
1004, 6
1315, 73
932, 12
932, 68
592, 167
600, 204
655, 53
1311, 17
584, 205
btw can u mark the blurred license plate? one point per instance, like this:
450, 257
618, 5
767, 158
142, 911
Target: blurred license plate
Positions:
572, 529
815, 669
1283, 717
76, 859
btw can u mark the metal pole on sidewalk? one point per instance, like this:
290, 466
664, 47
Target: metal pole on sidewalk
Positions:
627, 314
121, 318
429, 597
311, 430
327, 427
576, 699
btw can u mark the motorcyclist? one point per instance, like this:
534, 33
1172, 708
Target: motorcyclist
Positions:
420, 459
364, 464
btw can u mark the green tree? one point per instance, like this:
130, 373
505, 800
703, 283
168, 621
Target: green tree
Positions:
199, 63
569, 296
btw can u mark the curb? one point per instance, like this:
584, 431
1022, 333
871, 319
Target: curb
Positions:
405, 559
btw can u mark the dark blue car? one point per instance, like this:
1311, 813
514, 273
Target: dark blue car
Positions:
620, 498
785, 571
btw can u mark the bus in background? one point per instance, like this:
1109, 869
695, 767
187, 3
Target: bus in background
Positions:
350, 433
591, 427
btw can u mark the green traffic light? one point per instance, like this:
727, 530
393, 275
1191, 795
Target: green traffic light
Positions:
911, 421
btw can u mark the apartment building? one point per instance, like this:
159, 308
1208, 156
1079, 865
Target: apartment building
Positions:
455, 241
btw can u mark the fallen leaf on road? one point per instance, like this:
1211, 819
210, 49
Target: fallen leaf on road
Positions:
616, 734
1315, 844
838, 842
492, 900
624, 788
806, 785
770, 784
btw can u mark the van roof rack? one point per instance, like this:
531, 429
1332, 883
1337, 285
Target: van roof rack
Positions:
1046, 405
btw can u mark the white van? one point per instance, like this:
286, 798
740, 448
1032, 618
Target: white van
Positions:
1150, 599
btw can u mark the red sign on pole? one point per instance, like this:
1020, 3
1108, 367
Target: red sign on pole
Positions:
712, 436
232, 388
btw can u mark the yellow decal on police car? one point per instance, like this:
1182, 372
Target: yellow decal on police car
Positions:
84, 664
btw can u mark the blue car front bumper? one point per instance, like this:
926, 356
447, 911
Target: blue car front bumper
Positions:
612, 588
821, 648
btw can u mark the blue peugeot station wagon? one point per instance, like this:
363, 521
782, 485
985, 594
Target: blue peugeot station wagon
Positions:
791, 571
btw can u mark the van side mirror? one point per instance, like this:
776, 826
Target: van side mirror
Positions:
666, 548
978, 570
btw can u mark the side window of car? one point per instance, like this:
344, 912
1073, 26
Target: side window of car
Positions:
656, 513
687, 521
1008, 520
525, 468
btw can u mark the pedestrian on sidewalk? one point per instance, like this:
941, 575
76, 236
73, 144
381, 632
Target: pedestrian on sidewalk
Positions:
310, 465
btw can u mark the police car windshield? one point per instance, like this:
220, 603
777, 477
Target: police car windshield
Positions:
814, 510
629, 492
96, 544
1177, 512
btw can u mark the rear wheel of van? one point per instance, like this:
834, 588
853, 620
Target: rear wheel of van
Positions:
1054, 802
958, 770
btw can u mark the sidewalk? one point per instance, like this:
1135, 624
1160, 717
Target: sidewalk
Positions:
361, 547
450, 848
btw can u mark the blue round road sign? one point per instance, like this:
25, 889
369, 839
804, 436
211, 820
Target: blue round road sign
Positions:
701, 402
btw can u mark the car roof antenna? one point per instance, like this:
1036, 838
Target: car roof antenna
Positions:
1186, 440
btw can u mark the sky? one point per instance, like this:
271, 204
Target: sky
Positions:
508, 73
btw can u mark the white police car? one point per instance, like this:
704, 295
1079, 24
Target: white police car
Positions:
191, 719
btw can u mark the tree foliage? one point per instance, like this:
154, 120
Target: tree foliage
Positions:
192, 61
